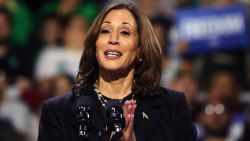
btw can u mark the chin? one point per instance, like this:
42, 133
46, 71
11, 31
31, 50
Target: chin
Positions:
115, 66
110, 65
112, 68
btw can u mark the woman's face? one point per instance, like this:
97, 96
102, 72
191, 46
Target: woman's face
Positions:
116, 45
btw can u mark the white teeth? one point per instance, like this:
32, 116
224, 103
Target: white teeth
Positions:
113, 54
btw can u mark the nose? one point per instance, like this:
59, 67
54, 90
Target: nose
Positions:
113, 42
113, 39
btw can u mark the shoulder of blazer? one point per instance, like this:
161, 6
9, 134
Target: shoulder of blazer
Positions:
173, 102
171, 96
60, 104
60, 100
176, 105
151, 111
165, 97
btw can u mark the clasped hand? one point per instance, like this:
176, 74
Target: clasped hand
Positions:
129, 110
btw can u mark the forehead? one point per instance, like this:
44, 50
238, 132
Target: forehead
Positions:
120, 16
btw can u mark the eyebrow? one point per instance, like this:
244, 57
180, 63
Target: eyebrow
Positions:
124, 23
107, 22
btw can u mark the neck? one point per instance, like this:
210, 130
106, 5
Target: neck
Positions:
115, 85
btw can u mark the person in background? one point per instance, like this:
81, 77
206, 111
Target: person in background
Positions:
14, 113
215, 120
186, 83
67, 8
7, 131
54, 61
12, 59
49, 33
65, 59
223, 86
62, 85
22, 22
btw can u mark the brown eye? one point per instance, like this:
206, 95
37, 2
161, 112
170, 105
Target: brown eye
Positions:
125, 33
104, 31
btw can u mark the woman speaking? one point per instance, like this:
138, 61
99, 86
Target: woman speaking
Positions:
121, 62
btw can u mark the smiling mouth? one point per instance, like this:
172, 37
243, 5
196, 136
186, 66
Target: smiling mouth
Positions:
110, 53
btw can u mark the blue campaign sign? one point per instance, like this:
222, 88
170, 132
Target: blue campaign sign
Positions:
214, 28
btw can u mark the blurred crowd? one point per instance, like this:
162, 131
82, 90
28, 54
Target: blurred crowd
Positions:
41, 43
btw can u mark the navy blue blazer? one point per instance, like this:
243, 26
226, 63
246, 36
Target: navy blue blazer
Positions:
164, 117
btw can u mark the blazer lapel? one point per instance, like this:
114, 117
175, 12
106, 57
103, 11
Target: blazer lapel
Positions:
147, 117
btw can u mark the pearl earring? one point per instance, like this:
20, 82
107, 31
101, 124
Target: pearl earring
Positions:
139, 60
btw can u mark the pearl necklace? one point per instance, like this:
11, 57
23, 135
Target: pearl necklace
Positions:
101, 98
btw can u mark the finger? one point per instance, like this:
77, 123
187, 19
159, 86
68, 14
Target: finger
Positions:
133, 101
126, 110
128, 121
134, 105
128, 118
131, 124
133, 109
129, 108
130, 128
127, 115
125, 107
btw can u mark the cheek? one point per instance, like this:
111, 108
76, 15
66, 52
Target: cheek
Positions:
99, 45
132, 49
132, 54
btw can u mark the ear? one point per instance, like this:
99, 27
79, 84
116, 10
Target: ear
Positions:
138, 54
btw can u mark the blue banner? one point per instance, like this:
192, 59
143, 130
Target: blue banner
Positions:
214, 28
